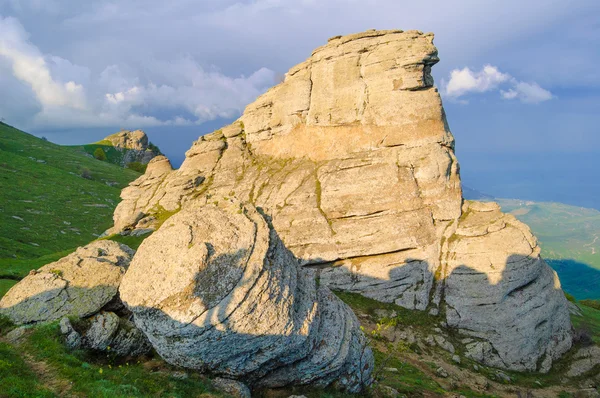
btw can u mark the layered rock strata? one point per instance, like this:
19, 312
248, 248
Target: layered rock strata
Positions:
214, 289
79, 285
352, 159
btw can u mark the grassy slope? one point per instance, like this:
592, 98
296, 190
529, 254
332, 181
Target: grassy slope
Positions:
570, 241
46, 207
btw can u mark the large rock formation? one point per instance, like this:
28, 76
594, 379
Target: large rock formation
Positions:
215, 289
134, 146
352, 158
79, 284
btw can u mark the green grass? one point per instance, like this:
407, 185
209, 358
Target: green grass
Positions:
404, 316
5, 285
113, 155
17, 268
590, 321
47, 208
16, 378
98, 375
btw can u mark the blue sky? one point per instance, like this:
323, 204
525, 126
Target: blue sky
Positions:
519, 79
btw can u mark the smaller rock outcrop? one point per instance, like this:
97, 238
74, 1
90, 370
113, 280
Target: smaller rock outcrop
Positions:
79, 284
108, 332
497, 289
215, 289
134, 145
584, 360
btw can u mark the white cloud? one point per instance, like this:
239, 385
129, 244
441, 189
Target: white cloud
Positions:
71, 95
29, 66
465, 81
527, 92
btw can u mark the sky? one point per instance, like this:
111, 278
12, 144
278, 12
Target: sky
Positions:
519, 79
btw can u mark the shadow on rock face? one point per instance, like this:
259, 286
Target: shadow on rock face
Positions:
215, 289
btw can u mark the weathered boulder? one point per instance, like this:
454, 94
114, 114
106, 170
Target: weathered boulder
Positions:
495, 287
584, 360
232, 387
79, 284
106, 331
214, 289
134, 146
352, 159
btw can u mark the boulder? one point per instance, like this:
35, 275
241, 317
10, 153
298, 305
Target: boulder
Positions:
584, 360
214, 289
108, 332
232, 387
79, 284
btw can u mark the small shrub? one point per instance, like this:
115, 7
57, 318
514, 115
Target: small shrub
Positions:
595, 304
99, 154
137, 166
583, 336
6, 325
44, 138
86, 173
154, 148
57, 272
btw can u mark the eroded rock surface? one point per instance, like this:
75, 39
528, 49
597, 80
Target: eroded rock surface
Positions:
497, 288
79, 284
214, 289
352, 159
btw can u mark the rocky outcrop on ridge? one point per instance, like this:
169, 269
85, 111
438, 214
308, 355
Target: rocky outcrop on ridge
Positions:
134, 145
352, 159
214, 289
79, 284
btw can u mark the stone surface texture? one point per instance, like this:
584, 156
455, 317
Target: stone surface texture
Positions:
353, 161
214, 289
497, 288
79, 284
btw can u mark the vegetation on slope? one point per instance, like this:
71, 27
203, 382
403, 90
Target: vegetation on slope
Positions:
52, 199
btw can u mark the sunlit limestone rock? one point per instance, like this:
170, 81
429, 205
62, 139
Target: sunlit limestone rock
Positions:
497, 289
353, 161
352, 158
79, 284
133, 145
214, 289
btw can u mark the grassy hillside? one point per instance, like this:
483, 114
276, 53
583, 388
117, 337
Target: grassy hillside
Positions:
52, 199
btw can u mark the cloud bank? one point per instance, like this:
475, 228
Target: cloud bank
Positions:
489, 78
71, 95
